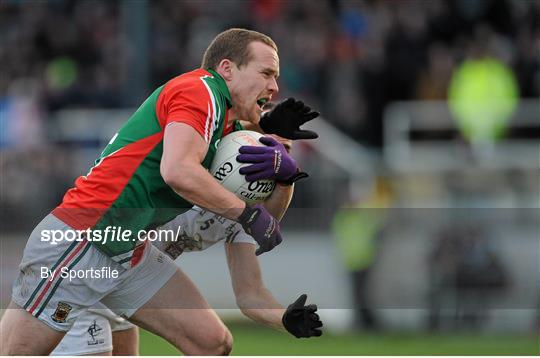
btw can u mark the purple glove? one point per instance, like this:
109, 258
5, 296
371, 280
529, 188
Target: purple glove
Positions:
269, 162
262, 226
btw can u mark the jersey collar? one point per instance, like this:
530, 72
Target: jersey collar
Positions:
222, 86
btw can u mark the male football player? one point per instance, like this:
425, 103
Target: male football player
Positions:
200, 229
154, 169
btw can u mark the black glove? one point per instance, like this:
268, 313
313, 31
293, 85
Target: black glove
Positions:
286, 118
262, 226
302, 321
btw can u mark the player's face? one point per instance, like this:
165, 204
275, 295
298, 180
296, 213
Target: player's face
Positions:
255, 82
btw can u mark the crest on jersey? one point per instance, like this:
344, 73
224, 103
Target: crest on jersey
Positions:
61, 312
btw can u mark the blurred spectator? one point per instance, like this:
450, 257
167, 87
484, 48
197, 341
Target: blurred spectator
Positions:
22, 116
466, 275
483, 92
357, 227
434, 80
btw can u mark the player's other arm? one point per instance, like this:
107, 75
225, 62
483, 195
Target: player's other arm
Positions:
252, 297
257, 302
279, 201
183, 151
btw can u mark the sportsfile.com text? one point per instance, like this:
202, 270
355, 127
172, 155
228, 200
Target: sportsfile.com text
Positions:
108, 234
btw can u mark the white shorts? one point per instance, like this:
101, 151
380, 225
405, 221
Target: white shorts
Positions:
59, 301
92, 333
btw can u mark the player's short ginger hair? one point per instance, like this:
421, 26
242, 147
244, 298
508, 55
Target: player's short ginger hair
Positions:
233, 44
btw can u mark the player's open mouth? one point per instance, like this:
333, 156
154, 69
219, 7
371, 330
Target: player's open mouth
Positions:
261, 102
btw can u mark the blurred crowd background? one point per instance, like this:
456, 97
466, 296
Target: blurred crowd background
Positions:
347, 58
72, 71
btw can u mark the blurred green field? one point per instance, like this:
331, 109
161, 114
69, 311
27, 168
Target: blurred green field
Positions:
250, 339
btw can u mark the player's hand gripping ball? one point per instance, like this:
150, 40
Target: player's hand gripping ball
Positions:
270, 161
226, 169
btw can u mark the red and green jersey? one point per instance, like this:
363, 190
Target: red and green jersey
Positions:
124, 189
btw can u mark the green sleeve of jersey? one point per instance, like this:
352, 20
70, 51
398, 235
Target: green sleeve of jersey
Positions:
237, 126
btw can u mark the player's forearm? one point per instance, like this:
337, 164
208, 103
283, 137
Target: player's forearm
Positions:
278, 203
192, 182
262, 308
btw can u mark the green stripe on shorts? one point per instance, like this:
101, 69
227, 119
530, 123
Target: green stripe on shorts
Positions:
69, 249
61, 278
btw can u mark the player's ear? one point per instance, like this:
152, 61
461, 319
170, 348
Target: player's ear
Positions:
225, 69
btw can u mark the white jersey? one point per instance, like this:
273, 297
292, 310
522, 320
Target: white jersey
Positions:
197, 230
